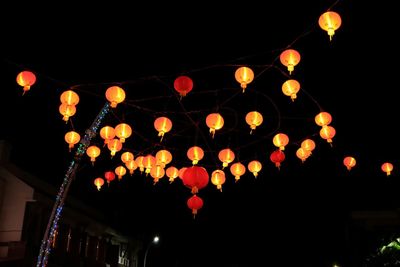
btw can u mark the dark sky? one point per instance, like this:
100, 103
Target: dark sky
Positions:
297, 215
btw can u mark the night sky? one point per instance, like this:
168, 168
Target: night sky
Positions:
296, 215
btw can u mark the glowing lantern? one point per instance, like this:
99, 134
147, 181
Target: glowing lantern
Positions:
349, 162
255, 167
172, 173
194, 203
183, 85
218, 178
291, 88
330, 21
69, 97
162, 125
120, 171
280, 140
163, 157
127, 156
110, 176
237, 170
277, 157
323, 118
115, 95
254, 119
149, 162
131, 166
181, 172
114, 146
290, 58
157, 173
26, 79
302, 154
226, 156
98, 182
139, 162
196, 178
72, 138
308, 145
327, 133
195, 154
107, 133
387, 167
244, 76
93, 152
123, 131
215, 122
67, 111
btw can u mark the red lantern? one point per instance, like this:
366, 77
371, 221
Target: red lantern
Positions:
194, 203
277, 157
196, 178
26, 79
110, 176
183, 85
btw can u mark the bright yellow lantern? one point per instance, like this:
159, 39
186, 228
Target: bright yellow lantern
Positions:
323, 118
290, 58
244, 76
237, 170
218, 178
254, 119
67, 111
107, 133
330, 21
195, 154
163, 157
93, 152
215, 122
162, 125
226, 156
280, 140
69, 97
115, 95
72, 138
255, 167
98, 182
120, 171
291, 88
172, 173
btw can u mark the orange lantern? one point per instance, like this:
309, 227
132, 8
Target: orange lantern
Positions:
93, 152
215, 122
196, 178
67, 111
303, 154
120, 171
131, 166
157, 172
107, 133
387, 167
255, 167
244, 76
349, 162
149, 162
181, 172
115, 95
123, 131
172, 173
194, 203
237, 170
291, 88
162, 125
308, 145
323, 118
127, 156
226, 156
330, 21
69, 97
218, 178
254, 119
280, 140
290, 58
183, 85
139, 162
72, 138
195, 154
327, 133
114, 146
26, 79
110, 176
277, 157
98, 182
163, 157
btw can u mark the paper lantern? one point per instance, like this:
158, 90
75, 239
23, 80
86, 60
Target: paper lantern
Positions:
163, 157
330, 21
215, 122
120, 171
183, 85
172, 173
226, 156
72, 138
280, 140
303, 154
218, 179
139, 162
69, 97
277, 157
237, 169
195, 178
114, 146
349, 162
194, 203
127, 156
254, 167
98, 182
181, 172
291, 88
123, 131
93, 152
157, 172
290, 58
308, 144
162, 125
67, 111
254, 119
131, 166
26, 79
149, 162
195, 154
115, 95
244, 76
387, 167
327, 133
107, 133
323, 118
110, 176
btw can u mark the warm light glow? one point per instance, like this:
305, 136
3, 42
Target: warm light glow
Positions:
327, 133
254, 167
308, 145
26, 79
226, 156
120, 171
163, 157
194, 203
115, 95
349, 162
114, 146
162, 125
67, 111
387, 167
244, 76
98, 182
303, 154
280, 140
254, 119
72, 138
181, 172
127, 156
149, 162
69, 97
291, 88
107, 133
172, 173
323, 118
139, 162
195, 154
218, 179
183, 85
290, 58
237, 169
157, 172
123, 131
93, 152
215, 122
131, 166
330, 21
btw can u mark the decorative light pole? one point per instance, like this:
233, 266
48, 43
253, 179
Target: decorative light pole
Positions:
154, 241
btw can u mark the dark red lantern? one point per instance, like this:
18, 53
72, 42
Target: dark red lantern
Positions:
110, 176
183, 85
196, 178
277, 157
194, 203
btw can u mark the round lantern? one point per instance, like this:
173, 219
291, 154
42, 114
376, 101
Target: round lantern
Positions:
237, 169
196, 178
226, 156
123, 131
280, 140
131, 166
277, 157
291, 88
254, 119
181, 172
244, 76
290, 58
254, 167
98, 182
120, 171
195, 154
387, 167
139, 162
72, 138
308, 145
67, 111
69, 97
162, 125
115, 95
110, 176
303, 154
93, 152
107, 133
149, 162
330, 21
172, 173
215, 122
183, 85
114, 146
323, 118
218, 179
127, 156
349, 162
157, 172
194, 203
163, 157
327, 133
26, 79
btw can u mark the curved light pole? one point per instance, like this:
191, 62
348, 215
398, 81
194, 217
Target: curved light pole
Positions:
154, 241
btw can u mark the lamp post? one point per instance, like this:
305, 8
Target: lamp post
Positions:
154, 241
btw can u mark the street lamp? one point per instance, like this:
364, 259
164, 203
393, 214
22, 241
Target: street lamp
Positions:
154, 241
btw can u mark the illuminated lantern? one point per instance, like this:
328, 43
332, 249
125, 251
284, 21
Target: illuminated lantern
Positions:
237, 170
349, 162
254, 119
302, 154
323, 118
218, 178
163, 157
254, 167
226, 156
290, 58
93, 152
196, 178
149, 162
139, 162
67, 111
330, 21
98, 182
277, 157
127, 156
120, 171
69, 97
26, 79
115, 95
215, 122
244, 76
181, 172
172, 173
183, 85
114, 146
157, 172
131, 166
107, 133
327, 133
123, 131
110, 176
308, 145
162, 125
195, 154
387, 167
72, 138
194, 203
291, 88
280, 140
